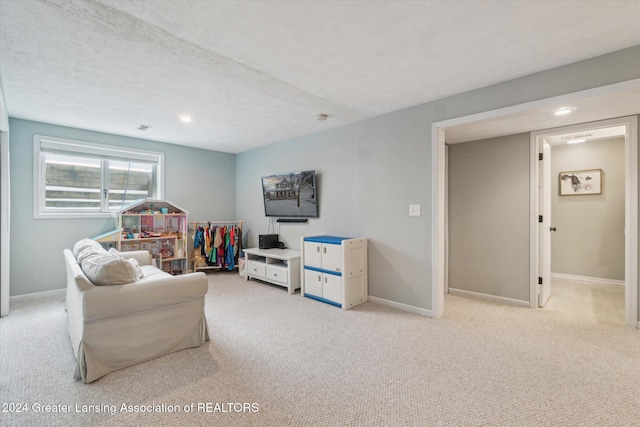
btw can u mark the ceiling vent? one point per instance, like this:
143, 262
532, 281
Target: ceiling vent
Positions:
144, 127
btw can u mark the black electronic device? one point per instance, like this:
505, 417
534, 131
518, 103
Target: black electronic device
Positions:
267, 241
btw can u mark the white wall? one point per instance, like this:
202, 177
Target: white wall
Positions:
371, 171
489, 216
5, 206
200, 181
589, 240
5, 223
4, 116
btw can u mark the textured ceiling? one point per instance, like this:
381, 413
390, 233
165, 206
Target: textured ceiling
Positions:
254, 73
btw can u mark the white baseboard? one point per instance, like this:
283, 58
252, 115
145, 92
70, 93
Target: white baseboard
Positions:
587, 279
37, 294
488, 297
400, 306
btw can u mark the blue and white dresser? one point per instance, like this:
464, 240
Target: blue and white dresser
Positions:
335, 270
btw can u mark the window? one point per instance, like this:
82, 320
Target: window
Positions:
79, 179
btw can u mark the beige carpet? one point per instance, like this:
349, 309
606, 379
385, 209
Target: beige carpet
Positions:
297, 362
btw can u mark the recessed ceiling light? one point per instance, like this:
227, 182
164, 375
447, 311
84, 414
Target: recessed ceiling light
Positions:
576, 141
563, 111
322, 117
185, 118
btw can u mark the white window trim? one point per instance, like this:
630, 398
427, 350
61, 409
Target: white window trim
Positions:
81, 147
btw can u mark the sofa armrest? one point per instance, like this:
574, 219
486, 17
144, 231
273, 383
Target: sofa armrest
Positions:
143, 257
75, 277
103, 302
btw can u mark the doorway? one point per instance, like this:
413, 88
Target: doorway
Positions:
498, 120
583, 217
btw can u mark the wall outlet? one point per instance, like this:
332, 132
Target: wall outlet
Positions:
414, 210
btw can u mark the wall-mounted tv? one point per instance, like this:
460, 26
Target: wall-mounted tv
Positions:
290, 195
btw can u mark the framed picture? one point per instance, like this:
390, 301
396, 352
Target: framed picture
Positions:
578, 183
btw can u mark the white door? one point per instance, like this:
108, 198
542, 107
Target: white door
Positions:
312, 254
332, 257
332, 288
544, 289
313, 283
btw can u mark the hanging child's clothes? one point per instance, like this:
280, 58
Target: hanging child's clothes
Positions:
213, 255
220, 245
228, 249
236, 243
198, 238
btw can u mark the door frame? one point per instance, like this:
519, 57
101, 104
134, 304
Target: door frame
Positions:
630, 208
438, 181
543, 208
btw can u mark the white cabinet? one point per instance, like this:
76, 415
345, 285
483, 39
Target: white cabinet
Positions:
335, 270
326, 256
277, 266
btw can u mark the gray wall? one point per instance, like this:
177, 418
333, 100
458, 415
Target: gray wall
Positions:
489, 216
371, 171
200, 181
590, 237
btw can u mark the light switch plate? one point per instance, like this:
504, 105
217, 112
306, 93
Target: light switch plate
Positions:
414, 210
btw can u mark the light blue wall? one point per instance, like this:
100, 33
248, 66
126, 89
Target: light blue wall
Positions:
200, 181
371, 171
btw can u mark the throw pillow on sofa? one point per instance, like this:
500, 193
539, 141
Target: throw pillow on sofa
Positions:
115, 253
133, 261
104, 269
85, 244
89, 251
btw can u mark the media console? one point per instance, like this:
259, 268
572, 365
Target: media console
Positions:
277, 266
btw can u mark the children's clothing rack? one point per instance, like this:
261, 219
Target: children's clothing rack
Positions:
217, 245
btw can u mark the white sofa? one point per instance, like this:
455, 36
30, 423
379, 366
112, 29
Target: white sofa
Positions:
117, 326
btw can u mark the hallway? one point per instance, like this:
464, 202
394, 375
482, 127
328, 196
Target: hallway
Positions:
587, 302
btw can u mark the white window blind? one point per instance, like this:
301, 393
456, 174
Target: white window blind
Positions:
81, 179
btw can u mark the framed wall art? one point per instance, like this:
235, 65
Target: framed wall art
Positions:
578, 183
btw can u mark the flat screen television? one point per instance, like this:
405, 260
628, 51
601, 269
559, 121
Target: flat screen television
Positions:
290, 195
